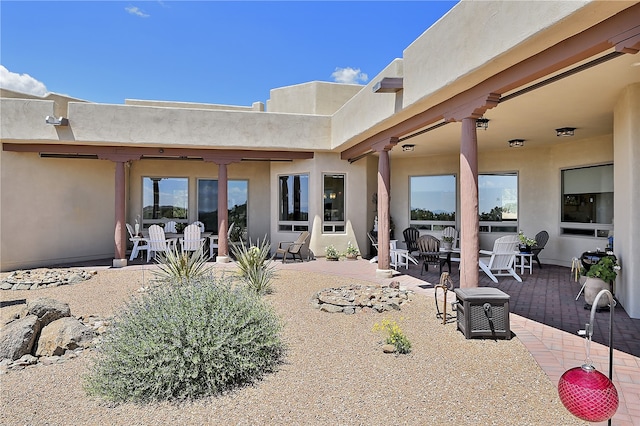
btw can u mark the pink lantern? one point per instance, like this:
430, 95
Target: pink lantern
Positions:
588, 394
584, 391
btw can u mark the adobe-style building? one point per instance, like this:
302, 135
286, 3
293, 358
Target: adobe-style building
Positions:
557, 85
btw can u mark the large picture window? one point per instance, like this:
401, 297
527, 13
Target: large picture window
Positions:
587, 200
333, 199
498, 202
293, 214
164, 198
237, 196
432, 201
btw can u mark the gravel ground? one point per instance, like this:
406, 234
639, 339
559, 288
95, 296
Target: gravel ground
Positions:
334, 373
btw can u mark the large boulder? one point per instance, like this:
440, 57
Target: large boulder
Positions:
63, 334
47, 310
18, 337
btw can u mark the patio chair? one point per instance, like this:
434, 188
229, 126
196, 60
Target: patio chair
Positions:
374, 244
501, 260
192, 241
158, 243
200, 225
411, 236
170, 227
452, 232
213, 240
542, 238
292, 247
139, 243
430, 254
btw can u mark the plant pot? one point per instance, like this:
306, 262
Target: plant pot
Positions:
524, 249
332, 259
351, 256
447, 246
592, 287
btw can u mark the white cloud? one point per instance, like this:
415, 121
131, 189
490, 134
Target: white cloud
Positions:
349, 76
22, 83
136, 11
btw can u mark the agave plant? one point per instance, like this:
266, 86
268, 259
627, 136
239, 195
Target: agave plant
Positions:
253, 265
174, 266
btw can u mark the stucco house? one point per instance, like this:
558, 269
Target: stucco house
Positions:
502, 116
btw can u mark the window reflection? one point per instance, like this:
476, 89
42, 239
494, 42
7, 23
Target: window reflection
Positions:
164, 198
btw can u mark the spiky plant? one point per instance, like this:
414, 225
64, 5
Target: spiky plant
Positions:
177, 267
254, 265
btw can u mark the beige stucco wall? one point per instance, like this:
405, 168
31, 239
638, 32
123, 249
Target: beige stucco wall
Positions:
355, 202
316, 97
539, 194
55, 210
627, 197
256, 106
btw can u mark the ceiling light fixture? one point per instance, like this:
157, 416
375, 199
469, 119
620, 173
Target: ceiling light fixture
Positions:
482, 123
408, 147
516, 143
61, 121
565, 131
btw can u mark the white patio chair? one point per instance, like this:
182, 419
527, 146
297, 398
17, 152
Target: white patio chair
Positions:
452, 232
139, 243
192, 241
158, 242
501, 260
213, 240
170, 227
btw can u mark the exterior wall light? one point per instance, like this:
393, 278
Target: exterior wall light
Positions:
516, 143
482, 123
61, 121
408, 147
565, 131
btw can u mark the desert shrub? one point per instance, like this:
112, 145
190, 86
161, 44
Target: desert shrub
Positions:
185, 342
180, 267
254, 267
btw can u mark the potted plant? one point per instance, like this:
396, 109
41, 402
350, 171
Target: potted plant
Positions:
352, 251
447, 243
526, 243
600, 277
332, 253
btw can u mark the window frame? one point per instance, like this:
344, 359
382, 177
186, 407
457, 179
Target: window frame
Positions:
335, 226
434, 225
500, 226
215, 230
584, 229
292, 225
146, 222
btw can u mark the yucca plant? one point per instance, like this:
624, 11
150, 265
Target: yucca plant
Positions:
254, 266
175, 266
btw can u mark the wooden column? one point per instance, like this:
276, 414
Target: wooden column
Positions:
119, 233
384, 181
469, 221
119, 236
223, 214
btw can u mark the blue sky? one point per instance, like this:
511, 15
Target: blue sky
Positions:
201, 51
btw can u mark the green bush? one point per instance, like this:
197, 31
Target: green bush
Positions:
253, 266
180, 267
185, 342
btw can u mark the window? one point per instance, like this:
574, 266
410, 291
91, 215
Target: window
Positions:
333, 198
432, 201
237, 196
587, 200
498, 202
293, 214
164, 198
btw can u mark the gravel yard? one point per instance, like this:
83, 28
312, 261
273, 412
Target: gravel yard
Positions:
334, 373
